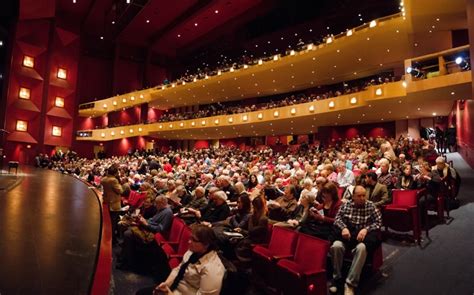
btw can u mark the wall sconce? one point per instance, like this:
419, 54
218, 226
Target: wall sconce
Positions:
329, 40
203, 122
276, 114
353, 100
231, 69
62, 74
231, 120
246, 66
124, 100
28, 61
292, 52
195, 79
349, 33
373, 24
171, 126
132, 98
260, 116
21, 125
245, 118
181, 124
122, 132
275, 57
311, 108
57, 131
193, 124
310, 46
141, 95
219, 73
104, 105
140, 129
216, 122
59, 102
102, 135
131, 130
114, 103
260, 62
161, 126
24, 93
293, 111
331, 104
378, 91
112, 133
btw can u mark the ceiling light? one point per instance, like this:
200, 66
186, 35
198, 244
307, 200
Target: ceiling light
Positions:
62, 74
310, 46
463, 64
195, 24
59, 102
171, 126
101, 37
231, 69
216, 11
453, 93
102, 134
179, 35
147, 21
113, 22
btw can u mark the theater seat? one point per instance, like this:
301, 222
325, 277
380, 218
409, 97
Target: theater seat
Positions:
403, 214
306, 272
282, 245
175, 256
136, 199
174, 235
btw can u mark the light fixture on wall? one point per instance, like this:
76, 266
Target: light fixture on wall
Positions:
59, 102
21, 125
378, 91
57, 131
62, 74
331, 104
276, 114
260, 116
28, 61
24, 93
353, 100
311, 108
293, 111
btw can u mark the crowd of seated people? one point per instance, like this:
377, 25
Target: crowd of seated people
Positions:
314, 191
229, 108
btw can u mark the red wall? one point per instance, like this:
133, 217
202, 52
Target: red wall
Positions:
201, 144
128, 76
95, 79
351, 131
464, 126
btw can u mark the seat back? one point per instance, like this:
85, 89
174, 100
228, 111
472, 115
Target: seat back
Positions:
184, 241
405, 197
136, 199
311, 252
340, 192
176, 230
356, 172
283, 241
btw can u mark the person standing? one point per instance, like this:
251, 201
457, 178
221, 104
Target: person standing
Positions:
112, 191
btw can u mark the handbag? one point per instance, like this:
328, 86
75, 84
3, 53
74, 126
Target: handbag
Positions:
143, 235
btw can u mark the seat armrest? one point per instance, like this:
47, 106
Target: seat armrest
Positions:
278, 257
175, 256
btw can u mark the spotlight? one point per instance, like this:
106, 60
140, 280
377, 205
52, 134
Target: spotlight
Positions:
414, 72
463, 64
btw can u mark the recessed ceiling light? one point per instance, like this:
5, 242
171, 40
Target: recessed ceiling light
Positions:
147, 21
101, 37
453, 93
179, 35
216, 12
195, 24
434, 114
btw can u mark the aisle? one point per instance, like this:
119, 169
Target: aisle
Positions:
446, 266
50, 225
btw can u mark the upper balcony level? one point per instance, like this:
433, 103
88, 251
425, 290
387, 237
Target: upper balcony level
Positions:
442, 80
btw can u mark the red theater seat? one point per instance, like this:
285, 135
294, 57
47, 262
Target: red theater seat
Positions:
403, 214
136, 199
282, 245
175, 256
172, 238
306, 273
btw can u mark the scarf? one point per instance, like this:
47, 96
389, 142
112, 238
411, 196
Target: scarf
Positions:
192, 260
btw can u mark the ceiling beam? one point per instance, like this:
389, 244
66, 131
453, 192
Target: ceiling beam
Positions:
177, 21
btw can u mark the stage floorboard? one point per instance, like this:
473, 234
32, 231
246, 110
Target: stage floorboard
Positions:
50, 225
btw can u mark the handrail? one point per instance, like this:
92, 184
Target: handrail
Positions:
439, 53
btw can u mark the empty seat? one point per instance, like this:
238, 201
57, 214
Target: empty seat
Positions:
175, 256
306, 272
173, 236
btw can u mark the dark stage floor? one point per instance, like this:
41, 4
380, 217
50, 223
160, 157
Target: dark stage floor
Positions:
50, 226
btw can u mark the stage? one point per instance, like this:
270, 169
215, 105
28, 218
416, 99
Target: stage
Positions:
50, 225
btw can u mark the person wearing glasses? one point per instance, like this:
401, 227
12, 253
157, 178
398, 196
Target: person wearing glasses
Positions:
200, 272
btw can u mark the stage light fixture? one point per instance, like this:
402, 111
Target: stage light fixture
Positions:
462, 63
414, 72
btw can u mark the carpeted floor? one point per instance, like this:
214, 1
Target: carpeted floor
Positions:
444, 266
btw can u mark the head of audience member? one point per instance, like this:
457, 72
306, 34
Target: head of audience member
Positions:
342, 167
279, 183
239, 187
161, 202
290, 192
384, 165
307, 199
259, 207
243, 204
440, 163
199, 192
402, 158
371, 178
406, 170
359, 196
253, 181
112, 171
308, 184
203, 239
320, 182
220, 198
329, 193
364, 168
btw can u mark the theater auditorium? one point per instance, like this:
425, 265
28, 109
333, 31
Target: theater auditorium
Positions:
236, 147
